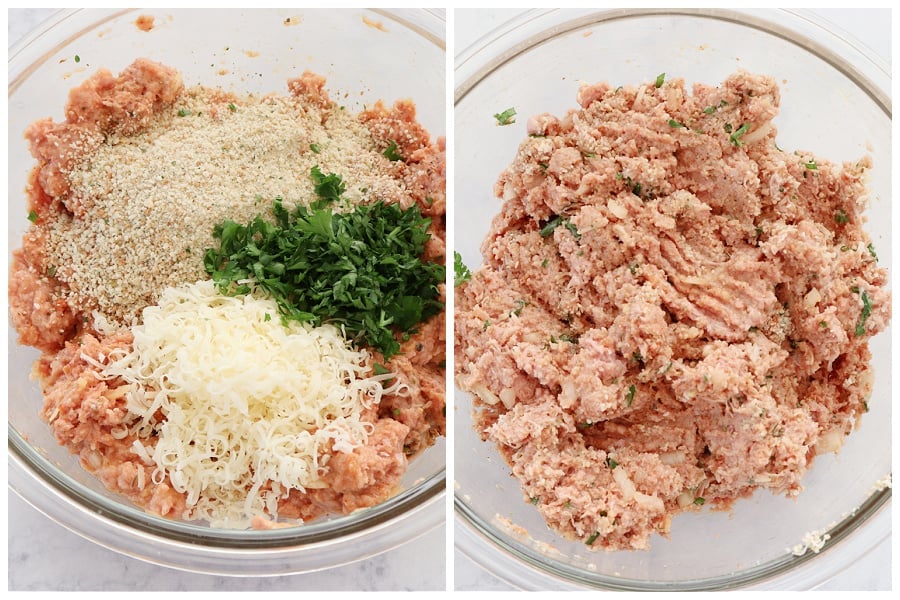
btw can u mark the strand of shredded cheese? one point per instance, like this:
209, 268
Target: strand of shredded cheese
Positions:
245, 408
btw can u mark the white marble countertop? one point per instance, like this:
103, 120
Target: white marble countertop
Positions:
45, 556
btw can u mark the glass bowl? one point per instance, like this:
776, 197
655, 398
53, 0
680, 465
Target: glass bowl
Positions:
835, 102
246, 51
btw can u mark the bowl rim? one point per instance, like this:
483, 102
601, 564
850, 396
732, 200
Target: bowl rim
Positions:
474, 536
334, 540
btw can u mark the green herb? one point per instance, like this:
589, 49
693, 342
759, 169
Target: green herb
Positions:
675, 124
391, 152
51, 271
77, 58
32, 216
507, 117
660, 79
184, 112
737, 135
811, 165
535, 500
711, 109
329, 188
840, 217
630, 396
552, 224
572, 229
520, 304
864, 314
588, 154
487, 323
699, 501
637, 357
590, 541
823, 324
315, 148
728, 128
361, 269
544, 263
461, 272
267, 318
612, 464
869, 247
232, 107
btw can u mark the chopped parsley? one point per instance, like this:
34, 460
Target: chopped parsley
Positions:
711, 109
699, 500
869, 247
590, 541
737, 135
361, 269
811, 165
840, 217
660, 79
507, 117
461, 272
329, 188
552, 224
77, 58
535, 500
612, 464
391, 152
184, 112
232, 107
32, 216
675, 124
864, 314
629, 397
315, 148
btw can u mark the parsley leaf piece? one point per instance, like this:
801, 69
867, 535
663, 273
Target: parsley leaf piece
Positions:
737, 135
32, 216
863, 315
184, 112
552, 224
699, 500
675, 124
629, 397
869, 246
811, 165
840, 217
391, 152
660, 79
612, 464
232, 107
329, 188
461, 272
507, 117
314, 148
77, 58
590, 541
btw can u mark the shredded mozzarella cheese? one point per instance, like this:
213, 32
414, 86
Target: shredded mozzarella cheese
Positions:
244, 408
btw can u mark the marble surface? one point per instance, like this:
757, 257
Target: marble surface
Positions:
44, 556
871, 26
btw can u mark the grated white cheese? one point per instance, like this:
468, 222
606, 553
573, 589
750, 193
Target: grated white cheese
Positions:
244, 408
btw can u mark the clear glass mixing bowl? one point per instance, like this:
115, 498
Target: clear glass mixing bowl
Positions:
836, 103
365, 55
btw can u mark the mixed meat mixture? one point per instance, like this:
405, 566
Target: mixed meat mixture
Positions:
672, 311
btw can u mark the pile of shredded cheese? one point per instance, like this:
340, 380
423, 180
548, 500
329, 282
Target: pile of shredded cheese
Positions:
244, 407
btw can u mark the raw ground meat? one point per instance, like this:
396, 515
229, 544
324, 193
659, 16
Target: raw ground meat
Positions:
86, 412
672, 311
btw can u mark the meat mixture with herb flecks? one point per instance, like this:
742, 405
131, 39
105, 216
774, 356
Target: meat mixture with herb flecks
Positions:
672, 311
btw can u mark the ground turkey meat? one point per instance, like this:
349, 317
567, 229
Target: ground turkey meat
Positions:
113, 227
672, 311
